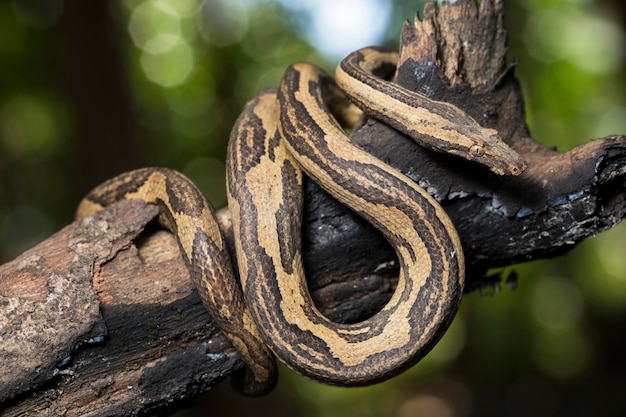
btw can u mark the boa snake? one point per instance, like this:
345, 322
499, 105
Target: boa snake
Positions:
279, 135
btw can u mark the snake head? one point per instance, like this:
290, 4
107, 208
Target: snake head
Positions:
491, 151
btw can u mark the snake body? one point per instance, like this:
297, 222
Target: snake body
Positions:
278, 136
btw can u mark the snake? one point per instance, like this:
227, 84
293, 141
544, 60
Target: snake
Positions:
282, 136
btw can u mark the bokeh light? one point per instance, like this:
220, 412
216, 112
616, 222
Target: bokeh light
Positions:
336, 27
30, 125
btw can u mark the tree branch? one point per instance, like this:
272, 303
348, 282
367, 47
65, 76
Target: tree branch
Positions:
138, 338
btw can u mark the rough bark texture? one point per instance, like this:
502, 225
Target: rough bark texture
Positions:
102, 319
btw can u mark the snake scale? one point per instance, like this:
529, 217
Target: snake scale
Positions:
279, 136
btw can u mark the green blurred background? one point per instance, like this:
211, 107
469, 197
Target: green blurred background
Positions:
91, 88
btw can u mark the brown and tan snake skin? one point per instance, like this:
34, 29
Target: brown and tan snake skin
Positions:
278, 136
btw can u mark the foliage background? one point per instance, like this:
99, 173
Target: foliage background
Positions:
90, 89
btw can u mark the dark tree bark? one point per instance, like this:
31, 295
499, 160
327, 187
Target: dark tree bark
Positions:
105, 124
102, 319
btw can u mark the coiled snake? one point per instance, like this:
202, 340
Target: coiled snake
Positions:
279, 135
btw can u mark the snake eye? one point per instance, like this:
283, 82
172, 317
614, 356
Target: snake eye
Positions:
477, 150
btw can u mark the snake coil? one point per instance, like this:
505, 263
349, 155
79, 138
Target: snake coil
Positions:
278, 136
